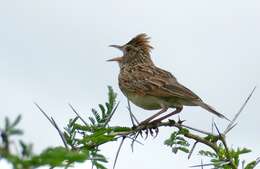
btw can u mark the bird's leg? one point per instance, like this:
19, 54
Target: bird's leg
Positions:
178, 110
164, 109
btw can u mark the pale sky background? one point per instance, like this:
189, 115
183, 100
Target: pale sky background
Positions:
53, 52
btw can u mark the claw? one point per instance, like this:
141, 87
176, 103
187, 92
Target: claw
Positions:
141, 133
147, 133
156, 132
151, 132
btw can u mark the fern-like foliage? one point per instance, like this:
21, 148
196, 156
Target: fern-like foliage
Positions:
177, 142
95, 132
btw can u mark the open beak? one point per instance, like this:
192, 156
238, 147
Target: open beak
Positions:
117, 59
117, 47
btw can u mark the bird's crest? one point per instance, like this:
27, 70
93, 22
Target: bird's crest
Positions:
141, 41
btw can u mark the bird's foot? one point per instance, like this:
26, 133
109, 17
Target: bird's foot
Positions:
148, 128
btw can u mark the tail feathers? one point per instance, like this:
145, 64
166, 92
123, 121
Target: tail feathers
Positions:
211, 109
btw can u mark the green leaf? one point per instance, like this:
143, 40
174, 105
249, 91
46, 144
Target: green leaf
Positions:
7, 123
175, 150
83, 127
111, 96
251, 165
100, 157
99, 165
96, 115
109, 108
92, 120
98, 138
103, 111
16, 121
208, 154
58, 156
72, 122
26, 149
15, 132
184, 149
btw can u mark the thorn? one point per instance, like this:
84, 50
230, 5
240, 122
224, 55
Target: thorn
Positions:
230, 128
192, 149
217, 129
133, 141
239, 112
74, 110
54, 124
118, 151
110, 116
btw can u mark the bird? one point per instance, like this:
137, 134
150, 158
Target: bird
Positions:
151, 87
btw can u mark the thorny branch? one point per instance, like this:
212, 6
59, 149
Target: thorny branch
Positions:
220, 137
199, 137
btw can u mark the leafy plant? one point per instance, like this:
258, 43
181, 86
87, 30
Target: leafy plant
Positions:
83, 136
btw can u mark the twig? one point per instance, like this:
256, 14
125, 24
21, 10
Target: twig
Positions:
54, 124
210, 164
171, 124
201, 165
201, 162
78, 115
60, 133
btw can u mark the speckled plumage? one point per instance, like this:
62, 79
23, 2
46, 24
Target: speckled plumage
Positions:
148, 86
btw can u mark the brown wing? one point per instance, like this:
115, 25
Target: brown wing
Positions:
150, 80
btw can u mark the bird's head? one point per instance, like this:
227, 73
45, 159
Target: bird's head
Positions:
137, 50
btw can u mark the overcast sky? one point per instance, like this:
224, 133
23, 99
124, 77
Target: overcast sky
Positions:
53, 52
